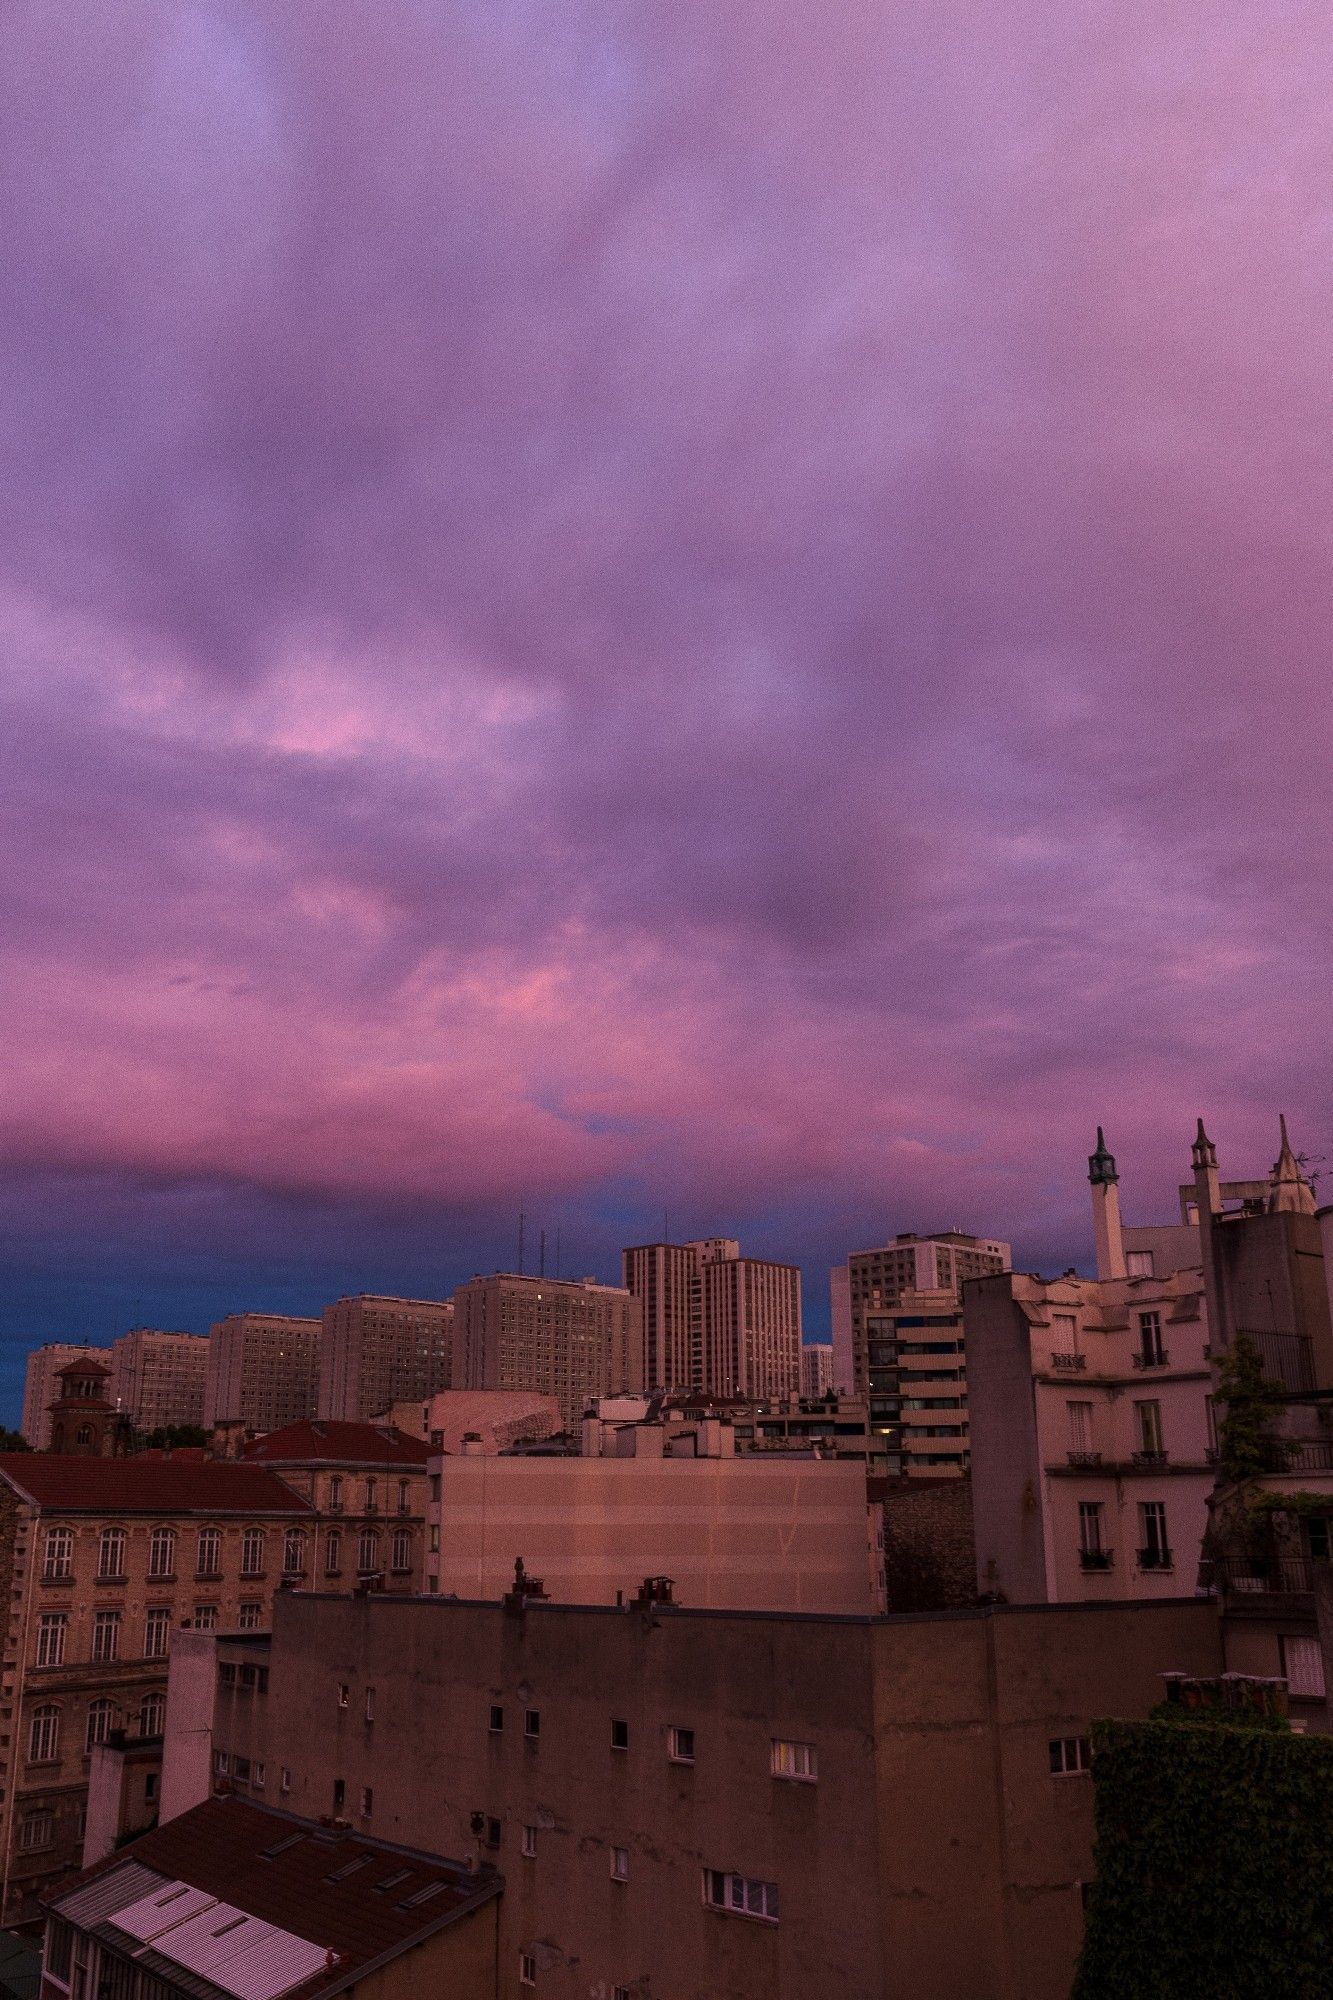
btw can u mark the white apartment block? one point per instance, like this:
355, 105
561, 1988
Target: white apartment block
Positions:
377, 1351
574, 1340
263, 1370
816, 1369
158, 1378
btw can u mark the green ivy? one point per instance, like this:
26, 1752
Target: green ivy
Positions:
1214, 1864
1248, 1440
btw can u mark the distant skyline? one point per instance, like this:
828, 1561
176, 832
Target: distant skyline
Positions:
617, 609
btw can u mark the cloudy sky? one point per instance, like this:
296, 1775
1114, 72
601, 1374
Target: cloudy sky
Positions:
630, 605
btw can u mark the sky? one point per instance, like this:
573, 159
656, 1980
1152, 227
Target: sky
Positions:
630, 608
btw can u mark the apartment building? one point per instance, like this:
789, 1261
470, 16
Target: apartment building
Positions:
158, 1378
716, 1321
816, 1369
691, 1802
101, 1559
933, 1268
368, 1486
377, 1351
263, 1371
572, 1340
760, 1533
918, 1384
41, 1386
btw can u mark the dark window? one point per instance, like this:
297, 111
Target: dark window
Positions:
532, 1722
497, 1718
620, 1735
339, 1794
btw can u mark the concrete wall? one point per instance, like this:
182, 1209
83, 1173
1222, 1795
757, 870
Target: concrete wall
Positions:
745, 1533
1011, 1536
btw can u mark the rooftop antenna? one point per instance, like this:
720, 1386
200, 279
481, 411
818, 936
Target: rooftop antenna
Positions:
521, 1220
557, 1252
541, 1267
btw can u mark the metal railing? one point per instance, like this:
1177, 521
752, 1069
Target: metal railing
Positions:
1148, 1461
1161, 1359
1085, 1460
1069, 1361
1257, 1576
1156, 1558
1097, 1558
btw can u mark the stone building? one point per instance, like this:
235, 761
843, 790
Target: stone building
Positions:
39, 1391
158, 1378
368, 1485
686, 1802
377, 1351
100, 1560
263, 1370
573, 1340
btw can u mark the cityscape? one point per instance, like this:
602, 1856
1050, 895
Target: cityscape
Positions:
666, 1247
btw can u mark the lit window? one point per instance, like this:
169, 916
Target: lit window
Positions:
795, 1760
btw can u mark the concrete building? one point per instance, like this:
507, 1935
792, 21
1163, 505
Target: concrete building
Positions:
918, 1384
747, 1533
377, 1351
686, 1802
368, 1485
557, 1337
101, 1559
263, 1371
495, 1419
840, 1296
816, 1369
238, 1901
878, 1282
716, 1321
158, 1378
39, 1391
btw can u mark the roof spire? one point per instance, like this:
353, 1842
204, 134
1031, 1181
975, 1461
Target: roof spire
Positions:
1101, 1164
1290, 1189
1205, 1152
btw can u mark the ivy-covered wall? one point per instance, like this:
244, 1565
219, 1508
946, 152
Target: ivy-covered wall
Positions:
1214, 1865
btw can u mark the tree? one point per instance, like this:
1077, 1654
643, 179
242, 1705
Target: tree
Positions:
13, 1441
173, 1437
1248, 1442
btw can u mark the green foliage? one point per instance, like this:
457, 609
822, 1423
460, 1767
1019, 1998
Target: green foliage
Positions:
1212, 1716
13, 1441
1214, 1864
1308, 1506
172, 1437
1248, 1444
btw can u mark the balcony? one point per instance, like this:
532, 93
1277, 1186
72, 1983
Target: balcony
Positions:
1084, 1461
1306, 1455
1096, 1558
1069, 1363
1261, 1576
1149, 1461
1156, 1558
1161, 1359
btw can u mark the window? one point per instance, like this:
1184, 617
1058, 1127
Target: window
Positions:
1064, 1333
99, 1722
156, 1631
497, 1718
106, 1635
404, 1497
111, 1552
532, 1722
344, 1694
1080, 1427
241, 1769
370, 1704
620, 1864
493, 1832
402, 1550
249, 1616
252, 1552
529, 1841
372, 1496
619, 1735
51, 1629
152, 1714
293, 1552
795, 1760
741, 1895
57, 1556
1148, 1428
221, 1763
149, 1787
208, 1560
1316, 1538
205, 1617
336, 1494
680, 1746
1090, 1527
333, 1552
36, 1831
339, 1794
1303, 1665
1151, 1352
367, 1550
162, 1552
259, 1776
620, 1993
435, 1538
44, 1734
1070, 1756
527, 1969
367, 1801
1139, 1264
1154, 1550
285, 1780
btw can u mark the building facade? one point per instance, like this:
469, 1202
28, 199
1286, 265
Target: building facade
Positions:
377, 1351
816, 1369
367, 1485
158, 1378
39, 1390
101, 1559
686, 1802
716, 1321
563, 1338
263, 1371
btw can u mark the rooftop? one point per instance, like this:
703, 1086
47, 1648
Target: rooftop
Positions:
336, 1443
146, 1485
205, 1902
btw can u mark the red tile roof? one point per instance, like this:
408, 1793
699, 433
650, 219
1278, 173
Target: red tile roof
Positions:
337, 1443
68, 1484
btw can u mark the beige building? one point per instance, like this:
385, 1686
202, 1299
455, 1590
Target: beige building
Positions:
368, 1485
686, 1802
101, 1559
158, 1378
263, 1370
769, 1534
918, 1369
377, 1351
558, 1337
41, 1388
716, 1321
816, 1369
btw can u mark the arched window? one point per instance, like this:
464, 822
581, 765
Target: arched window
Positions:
111, 1552
99, 1721
293, 1552
333, 1552
367, 1550
58, 1554
84, 1434
402, 1550
210, 1552
44, 1734
152, 1714
252, 1552
162, 1552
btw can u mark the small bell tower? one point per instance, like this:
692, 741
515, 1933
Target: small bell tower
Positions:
83, 1422
1105, 1182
